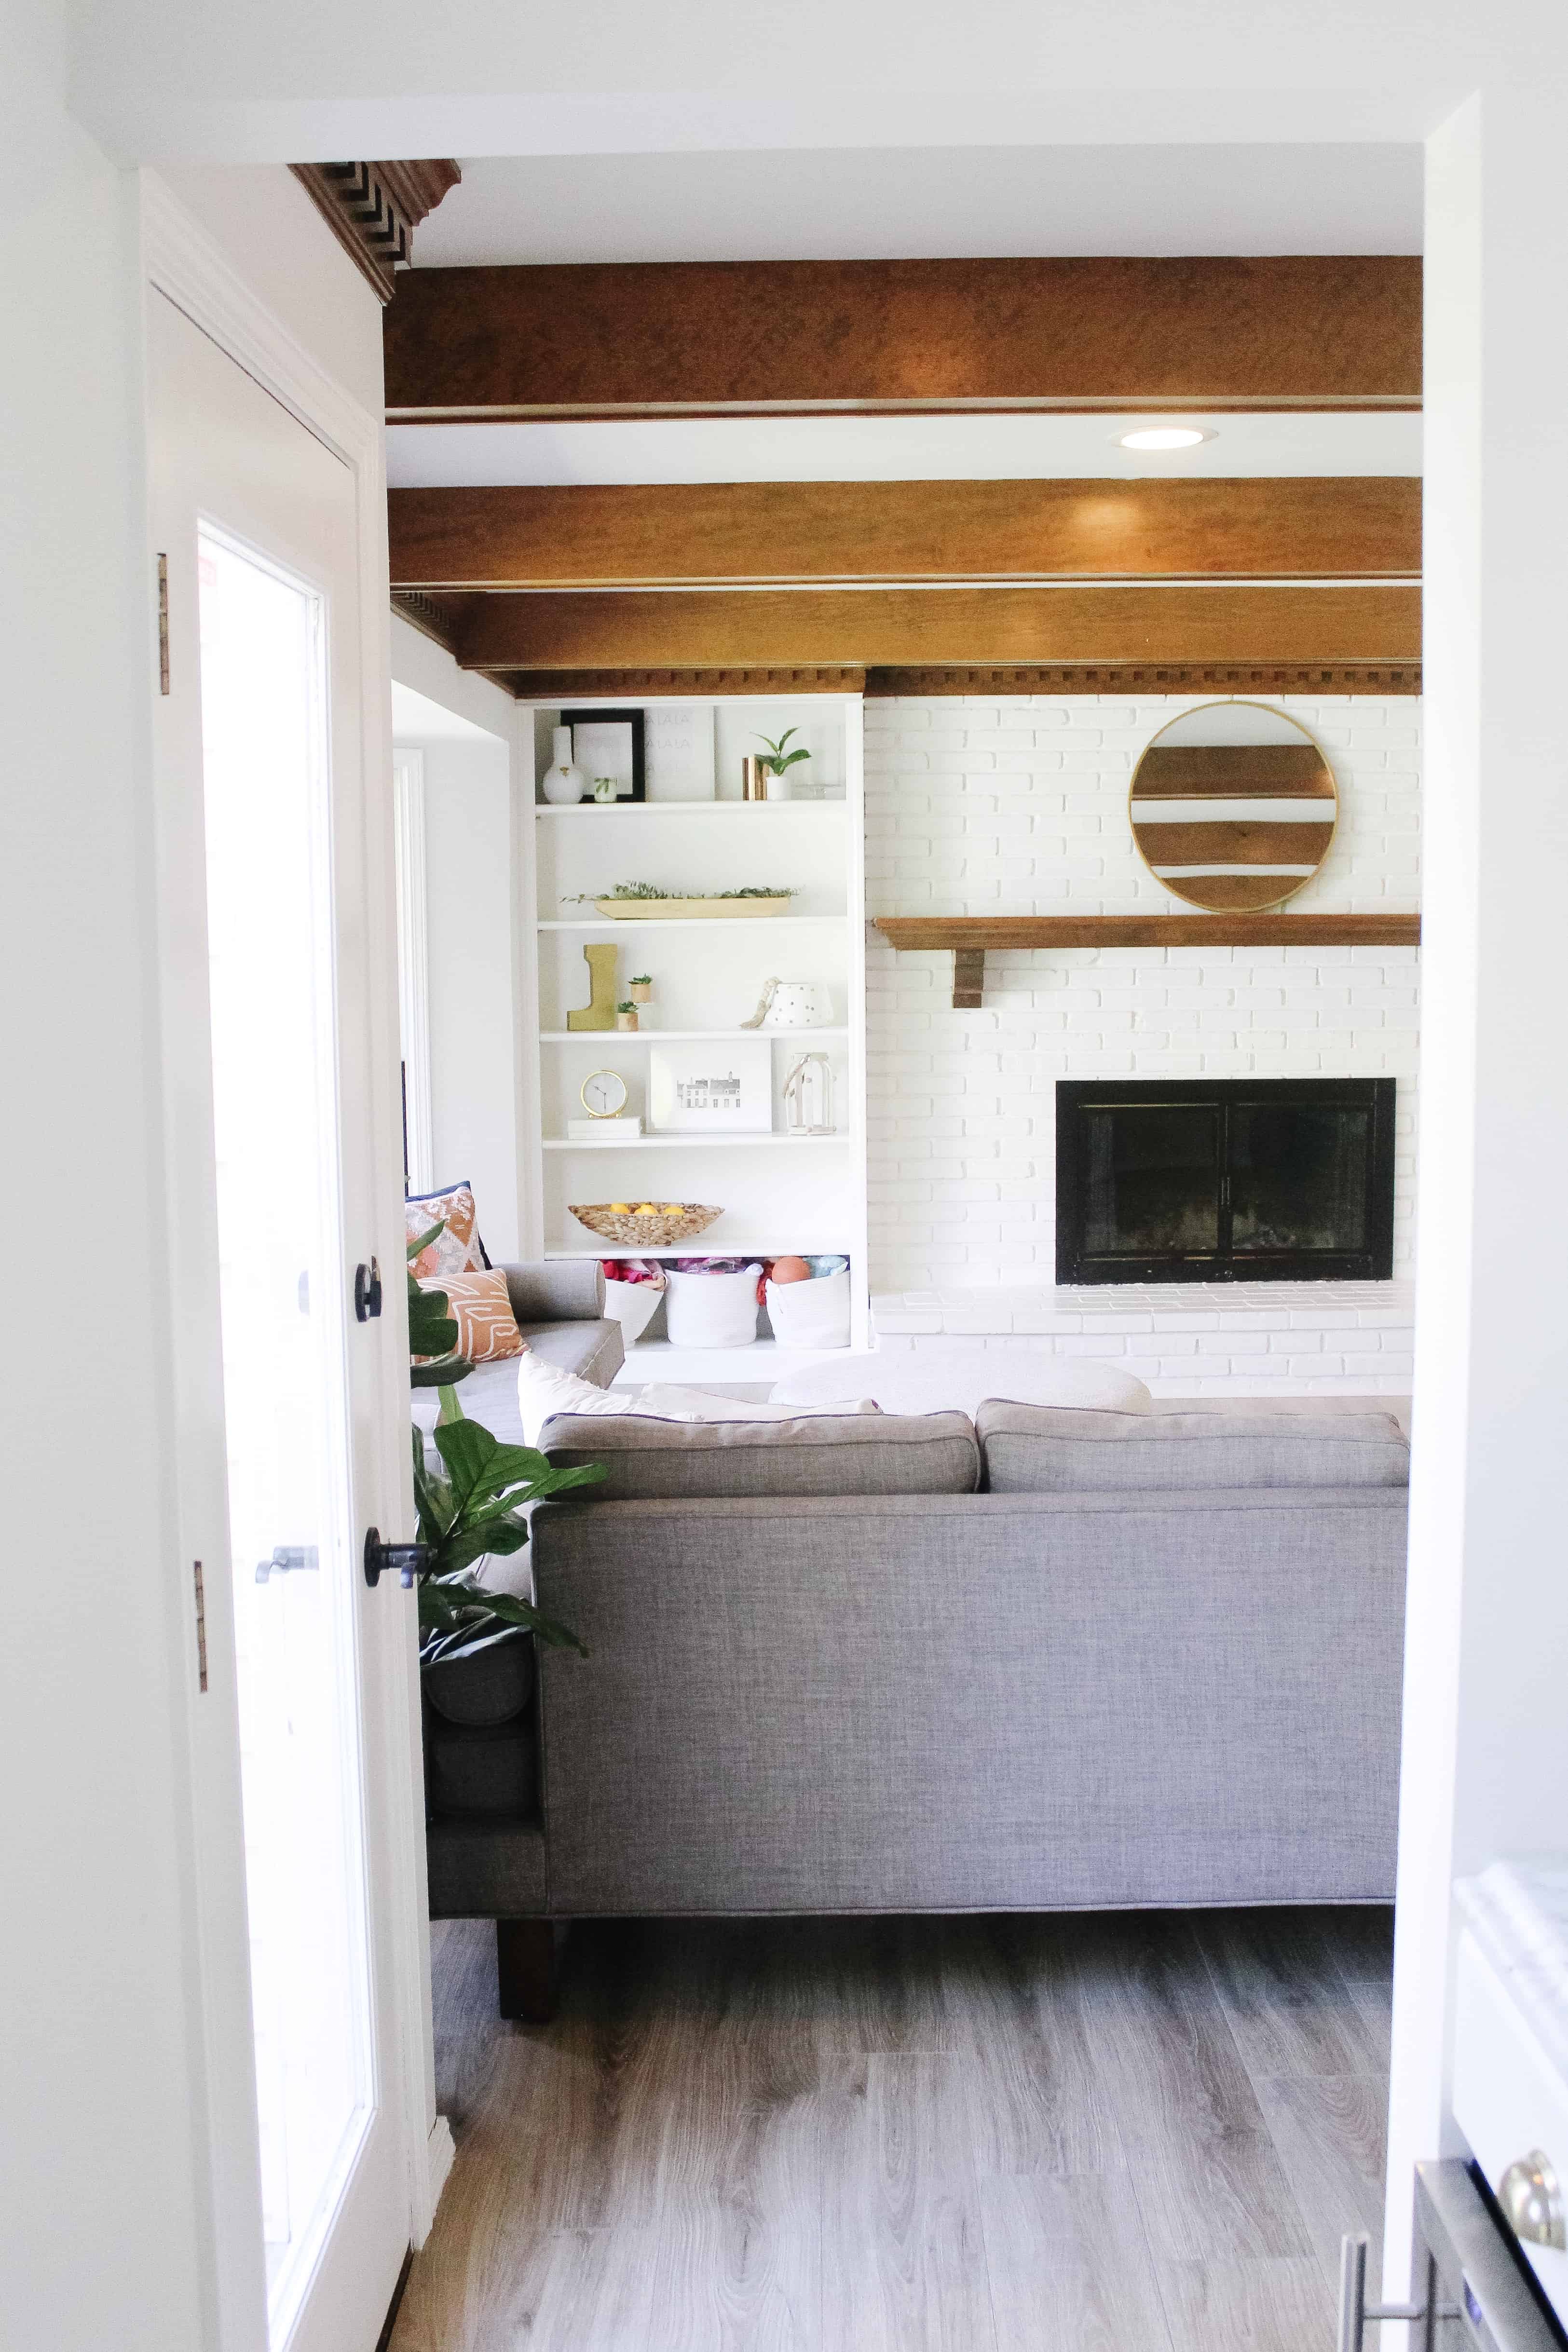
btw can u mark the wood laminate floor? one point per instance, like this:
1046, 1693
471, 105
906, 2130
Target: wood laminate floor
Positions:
1122, 2133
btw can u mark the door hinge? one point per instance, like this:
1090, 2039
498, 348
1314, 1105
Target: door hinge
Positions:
164, 662
201, 1622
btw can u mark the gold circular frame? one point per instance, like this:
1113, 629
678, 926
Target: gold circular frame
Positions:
1227, 701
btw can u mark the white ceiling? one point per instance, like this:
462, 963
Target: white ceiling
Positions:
888, 202
888, 450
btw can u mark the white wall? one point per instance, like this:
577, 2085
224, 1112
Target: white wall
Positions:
107, 2224
1486, 1732
479, 873
269, 228
979, 806
103, 2218
472, 955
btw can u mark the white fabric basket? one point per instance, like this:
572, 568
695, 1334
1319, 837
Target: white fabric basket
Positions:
712, 1310
814, 1313
632, 1306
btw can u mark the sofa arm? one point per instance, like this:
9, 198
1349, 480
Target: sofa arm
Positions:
558, 1290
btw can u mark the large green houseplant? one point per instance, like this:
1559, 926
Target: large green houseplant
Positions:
471, 1508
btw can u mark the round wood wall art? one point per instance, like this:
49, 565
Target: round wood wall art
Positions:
1233, 807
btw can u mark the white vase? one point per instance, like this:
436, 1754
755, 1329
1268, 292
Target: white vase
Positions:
563, 783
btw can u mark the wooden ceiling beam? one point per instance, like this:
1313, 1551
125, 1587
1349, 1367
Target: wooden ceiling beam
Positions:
643, 339
1266, 679
703, 533
373, 209
774, 628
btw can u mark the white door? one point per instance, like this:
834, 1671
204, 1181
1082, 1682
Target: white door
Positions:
276, 1199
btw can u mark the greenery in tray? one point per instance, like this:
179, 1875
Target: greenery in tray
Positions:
775, 760
653, 890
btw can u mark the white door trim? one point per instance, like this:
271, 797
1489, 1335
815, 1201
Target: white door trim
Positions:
414, 961
183, 262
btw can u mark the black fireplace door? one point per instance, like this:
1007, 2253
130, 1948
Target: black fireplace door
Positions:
1276, 1180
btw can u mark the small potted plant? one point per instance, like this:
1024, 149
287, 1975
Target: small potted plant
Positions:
777, 762
626, 1015
639, 988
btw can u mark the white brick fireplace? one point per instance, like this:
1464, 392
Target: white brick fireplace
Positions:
977, 806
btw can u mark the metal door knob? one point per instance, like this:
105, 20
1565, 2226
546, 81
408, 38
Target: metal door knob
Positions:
409, 1559
1532, 2201
287, 1558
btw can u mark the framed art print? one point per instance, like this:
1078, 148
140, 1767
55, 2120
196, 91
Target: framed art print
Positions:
609, 743
715, 1090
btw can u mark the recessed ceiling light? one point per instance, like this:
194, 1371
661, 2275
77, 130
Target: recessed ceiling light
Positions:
1164, 436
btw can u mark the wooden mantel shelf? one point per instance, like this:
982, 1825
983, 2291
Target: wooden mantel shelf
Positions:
969, 936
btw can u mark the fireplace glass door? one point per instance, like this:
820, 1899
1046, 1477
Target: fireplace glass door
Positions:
1230, 1181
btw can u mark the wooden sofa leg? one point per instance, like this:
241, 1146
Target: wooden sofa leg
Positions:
528, 1970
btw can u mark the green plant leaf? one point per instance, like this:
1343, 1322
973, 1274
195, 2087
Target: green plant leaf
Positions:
441, 1374
459, 1613
425, 1240
468, 1448
495, 1540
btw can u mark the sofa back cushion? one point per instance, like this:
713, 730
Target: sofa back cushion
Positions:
827, 1454
1039, 1450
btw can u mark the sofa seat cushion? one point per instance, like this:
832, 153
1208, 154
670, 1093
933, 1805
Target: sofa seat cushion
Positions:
1035, 1450
961, 1378
853, 1453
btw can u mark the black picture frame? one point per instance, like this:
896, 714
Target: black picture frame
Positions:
632, 718
1373, 1099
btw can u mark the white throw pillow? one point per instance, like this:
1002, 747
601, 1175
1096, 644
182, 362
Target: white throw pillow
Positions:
695, 1404
930, 1380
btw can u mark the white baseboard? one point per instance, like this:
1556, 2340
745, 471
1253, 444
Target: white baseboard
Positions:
439, 2160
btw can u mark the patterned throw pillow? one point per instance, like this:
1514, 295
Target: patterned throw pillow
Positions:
456, 1248
481, 1309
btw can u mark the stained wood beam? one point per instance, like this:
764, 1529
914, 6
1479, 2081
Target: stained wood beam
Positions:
1271, 678
771, 628
704, 533
965, 933
1305, 330
969, 936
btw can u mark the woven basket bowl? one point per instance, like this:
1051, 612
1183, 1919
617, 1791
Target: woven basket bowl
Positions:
659, 1232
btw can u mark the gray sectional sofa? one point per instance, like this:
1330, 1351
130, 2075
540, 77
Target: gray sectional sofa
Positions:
560, 1307
1046, 1659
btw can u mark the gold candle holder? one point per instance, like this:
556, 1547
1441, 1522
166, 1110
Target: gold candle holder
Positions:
754, 778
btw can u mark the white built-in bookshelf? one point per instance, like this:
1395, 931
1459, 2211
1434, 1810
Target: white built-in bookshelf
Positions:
779, 1193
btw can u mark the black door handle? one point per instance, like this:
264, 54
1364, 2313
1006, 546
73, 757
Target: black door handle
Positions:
410, 1560
367, 1291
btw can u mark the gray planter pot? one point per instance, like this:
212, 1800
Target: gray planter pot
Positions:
475, 1772
489, 1685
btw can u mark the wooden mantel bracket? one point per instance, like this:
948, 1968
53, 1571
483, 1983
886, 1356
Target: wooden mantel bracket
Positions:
969, 936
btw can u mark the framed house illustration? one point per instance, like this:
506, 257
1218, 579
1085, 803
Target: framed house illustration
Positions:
714, 1090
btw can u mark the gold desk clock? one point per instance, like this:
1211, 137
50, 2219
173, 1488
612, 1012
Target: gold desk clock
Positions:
603, 1095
